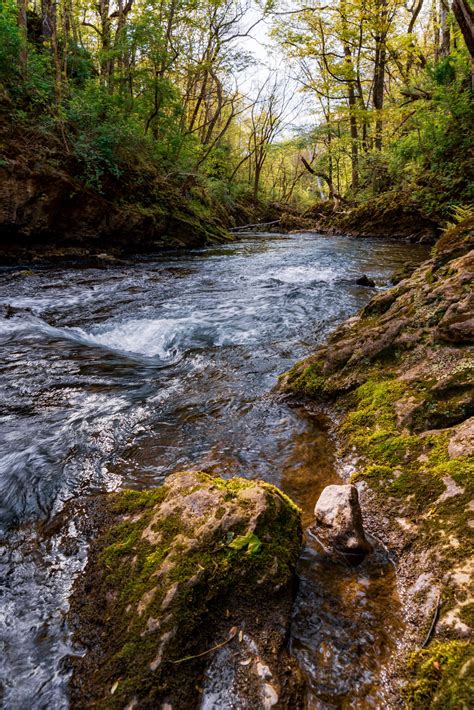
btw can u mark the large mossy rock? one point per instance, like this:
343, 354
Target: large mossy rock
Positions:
175, 571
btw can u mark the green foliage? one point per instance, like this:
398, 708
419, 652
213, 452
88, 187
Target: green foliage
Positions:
105, 142
248, 542
79, 63
444, 72
10, 42
37, 90
434, 154
459, 213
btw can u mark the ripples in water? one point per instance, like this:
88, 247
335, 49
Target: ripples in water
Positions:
115, 377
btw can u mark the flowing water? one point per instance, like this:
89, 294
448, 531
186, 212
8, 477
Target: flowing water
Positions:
117, 376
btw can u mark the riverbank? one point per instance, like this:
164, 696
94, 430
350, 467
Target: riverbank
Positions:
52, 209
392, 215
398, 378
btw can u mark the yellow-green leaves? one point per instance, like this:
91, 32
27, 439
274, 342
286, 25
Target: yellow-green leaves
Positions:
248, 542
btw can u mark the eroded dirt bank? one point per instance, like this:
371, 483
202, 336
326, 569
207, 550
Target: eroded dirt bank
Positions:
399, 379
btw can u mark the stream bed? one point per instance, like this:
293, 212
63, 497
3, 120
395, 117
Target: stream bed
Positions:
114, 377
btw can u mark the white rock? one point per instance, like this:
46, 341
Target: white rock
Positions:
338, 522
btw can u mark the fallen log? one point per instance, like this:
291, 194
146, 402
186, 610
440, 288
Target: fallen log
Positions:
251, 226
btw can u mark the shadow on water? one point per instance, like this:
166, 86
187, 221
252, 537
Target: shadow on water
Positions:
346, 619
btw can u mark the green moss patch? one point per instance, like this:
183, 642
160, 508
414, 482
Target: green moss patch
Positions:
441, 676
306, 380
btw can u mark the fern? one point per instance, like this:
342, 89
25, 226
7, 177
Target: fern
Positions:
458, 214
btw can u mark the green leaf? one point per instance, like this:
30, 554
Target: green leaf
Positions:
249, 542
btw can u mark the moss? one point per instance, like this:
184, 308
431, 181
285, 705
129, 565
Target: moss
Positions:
376, 474
466, 614
418, 489
443, 410
460, 470
177, 579
388, 448
441, 677
131, 501
232, 486
374, 407
372, 426
405, 466
305, 380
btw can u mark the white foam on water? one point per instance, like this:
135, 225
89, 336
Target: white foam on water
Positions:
144, 336
303, 274
166, 338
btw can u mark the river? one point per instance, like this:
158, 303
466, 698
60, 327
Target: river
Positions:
114, 377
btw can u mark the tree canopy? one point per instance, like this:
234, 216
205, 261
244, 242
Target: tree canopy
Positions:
163, 85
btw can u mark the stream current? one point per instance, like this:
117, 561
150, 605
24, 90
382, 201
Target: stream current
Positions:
114, 377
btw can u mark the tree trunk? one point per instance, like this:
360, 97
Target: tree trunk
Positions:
49, 31
445, 29
379, 86
379, 69
354, 138
105, 61
332, 192
464, 15
23, 25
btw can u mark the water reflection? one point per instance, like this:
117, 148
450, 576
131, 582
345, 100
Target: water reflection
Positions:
346, 619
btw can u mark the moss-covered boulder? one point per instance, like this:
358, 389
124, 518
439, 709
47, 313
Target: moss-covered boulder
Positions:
177, 578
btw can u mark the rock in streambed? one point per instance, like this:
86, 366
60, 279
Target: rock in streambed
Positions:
338, 523
185, 583
364, 280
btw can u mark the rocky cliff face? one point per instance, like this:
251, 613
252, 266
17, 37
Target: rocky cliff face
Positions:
46, 212
186, 598
399, 377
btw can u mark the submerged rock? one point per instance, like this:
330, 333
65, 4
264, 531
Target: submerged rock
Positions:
364, 280
338, 522
188, 581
